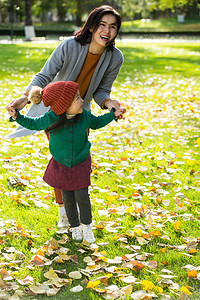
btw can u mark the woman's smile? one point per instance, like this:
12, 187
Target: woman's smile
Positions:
105, 33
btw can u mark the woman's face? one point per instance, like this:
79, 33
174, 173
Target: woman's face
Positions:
76, 106
105, 33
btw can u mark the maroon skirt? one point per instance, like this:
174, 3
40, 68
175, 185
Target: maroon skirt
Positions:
64, 178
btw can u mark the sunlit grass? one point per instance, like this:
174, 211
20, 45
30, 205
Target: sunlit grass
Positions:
153, 149
162, 24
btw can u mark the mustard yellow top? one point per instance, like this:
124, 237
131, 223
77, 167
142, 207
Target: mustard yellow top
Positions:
87, 71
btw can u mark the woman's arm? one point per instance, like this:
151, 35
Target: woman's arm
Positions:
50, 68
102, 93
42, 78
18, 103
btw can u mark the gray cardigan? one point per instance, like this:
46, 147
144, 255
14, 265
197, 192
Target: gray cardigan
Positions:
65, 63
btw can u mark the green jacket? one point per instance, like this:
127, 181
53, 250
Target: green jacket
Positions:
69, 145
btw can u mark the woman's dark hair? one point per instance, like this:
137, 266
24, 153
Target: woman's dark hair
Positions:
84, 35
61, 122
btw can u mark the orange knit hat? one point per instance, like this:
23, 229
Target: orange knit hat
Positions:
59, 95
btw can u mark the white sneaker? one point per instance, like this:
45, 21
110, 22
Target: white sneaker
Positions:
76, 233
63, 222
88, 234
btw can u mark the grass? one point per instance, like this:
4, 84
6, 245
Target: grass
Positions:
162, 25
145, 184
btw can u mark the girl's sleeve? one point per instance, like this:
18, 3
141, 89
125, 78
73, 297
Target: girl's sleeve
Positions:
40, 123
101, 121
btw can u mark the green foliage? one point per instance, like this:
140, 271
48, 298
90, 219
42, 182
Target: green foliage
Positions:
129, 9
175, 4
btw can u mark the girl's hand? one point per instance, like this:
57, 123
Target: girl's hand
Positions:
117, 105
119, 113
13, 113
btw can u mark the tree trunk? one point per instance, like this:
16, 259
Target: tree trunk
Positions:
28, 18
79, 12
29, 29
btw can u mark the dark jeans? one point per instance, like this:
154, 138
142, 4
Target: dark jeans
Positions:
82, 198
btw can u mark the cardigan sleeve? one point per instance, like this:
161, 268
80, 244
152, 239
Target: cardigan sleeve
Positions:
40, 123
51, 67
100, 121
104, 89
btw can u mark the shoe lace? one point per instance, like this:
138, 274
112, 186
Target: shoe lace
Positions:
76, 231
88, 232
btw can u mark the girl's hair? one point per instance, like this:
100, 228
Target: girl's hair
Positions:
62, 122
84, 35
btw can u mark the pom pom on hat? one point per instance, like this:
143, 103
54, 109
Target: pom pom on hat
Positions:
59, 95
35, 95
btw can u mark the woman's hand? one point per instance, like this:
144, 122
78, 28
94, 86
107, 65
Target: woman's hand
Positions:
112, 103
117, 105
119, 113
17, 104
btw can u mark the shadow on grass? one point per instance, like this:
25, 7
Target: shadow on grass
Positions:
21, 58
153, 59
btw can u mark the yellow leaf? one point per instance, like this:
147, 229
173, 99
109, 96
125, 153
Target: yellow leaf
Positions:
155, 233
129, 210
192, 251
185, 290
192, 273
99, 226
110, 199
177, 225
190, 162
147, 285
40, 252
93, 284
198, 142
159, 289
137, 232
51, 274
162, 250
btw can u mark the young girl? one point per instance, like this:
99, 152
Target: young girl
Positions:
70, 166
91, 59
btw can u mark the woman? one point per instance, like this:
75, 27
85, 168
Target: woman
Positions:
90, 59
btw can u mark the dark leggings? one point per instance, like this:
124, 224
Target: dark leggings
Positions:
82, 198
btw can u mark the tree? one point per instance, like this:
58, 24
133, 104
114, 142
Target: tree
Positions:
61, 6
180, 6
27, 11
29, 29
132, 9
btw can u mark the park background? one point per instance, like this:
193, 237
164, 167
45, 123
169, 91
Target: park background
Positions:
145, 188
60, 17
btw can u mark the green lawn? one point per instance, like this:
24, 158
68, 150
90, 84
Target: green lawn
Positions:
162, 25
145, 186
